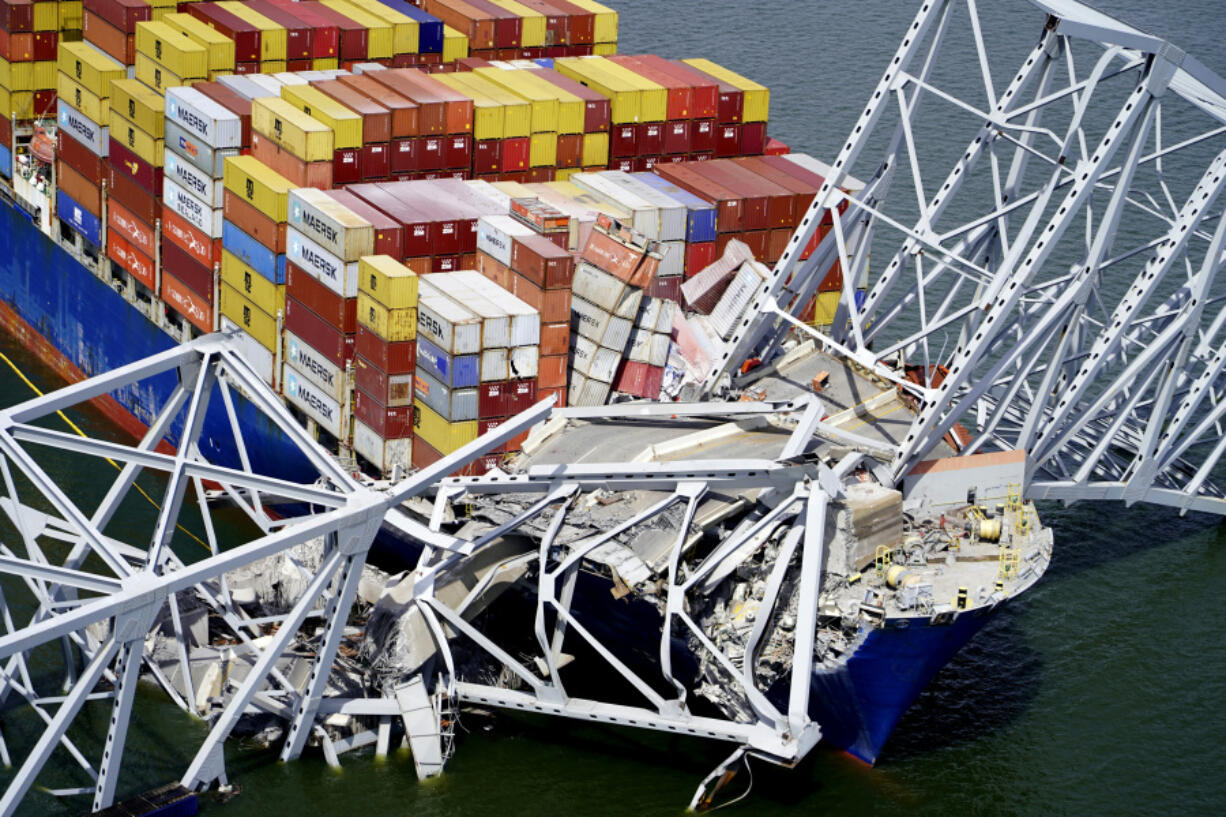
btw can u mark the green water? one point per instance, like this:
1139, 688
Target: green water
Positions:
1099, 692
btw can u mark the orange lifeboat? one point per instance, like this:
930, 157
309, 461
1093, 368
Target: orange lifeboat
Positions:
42, 145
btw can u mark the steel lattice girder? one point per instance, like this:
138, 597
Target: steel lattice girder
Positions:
1059, 277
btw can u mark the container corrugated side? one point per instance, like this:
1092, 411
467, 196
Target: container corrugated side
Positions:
212, 123
252, 181
598, 326
315, 367
345, 124
495, 322
313, 401
607, 291
80, 127
494, 235
300, 134
448, 325
451, 405
193, 210
249, 317
749, 279
187, 145
220, 47
644, 215
756, 107
201, 185
90, 67
390, 324
456, 371
387, 281
263, 291
140, 104
672, 213
385, 455
525, 321
169, 47
331, 271
433, 428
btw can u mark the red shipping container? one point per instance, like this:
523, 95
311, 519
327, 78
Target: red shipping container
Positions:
376, 118
597, 110
729, 207
515, 154
405, 156
705, 93
458, 151
187, 269
17, 15
650, 139
199, 246
551, 374
570, 149
123, 14
109, 38
389, 236
644, 164
298, 33
389, 390
431, 114
301, 173
135, 168
439, 212
138, 233
680, 93
45, 45
325, 33
774, 147
508, 26
245, 35
399, 357
729, 99
346, 166
753, 138
376, 161
677, 139
492, 400
520, 396
316, 296
143, 204
187, 303
553, 304
262, 228
430, 155
698, 256
487, 156
727, 140
445, 263
318, 333
702, 136
539, 175
246, 67
75, 155
542, 262
624, 140
417, 229
389, 423
131, 259
667, 287
45, 103
558, 393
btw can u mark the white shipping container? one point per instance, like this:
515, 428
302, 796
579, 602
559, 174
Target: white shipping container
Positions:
270, 84
322, 265
495, 322
330, 224
494, 234
315, 367
591, 360
194, 211
490, 192
607, 291
673, 214
745, 285
383, 454
257, 357
525, 362
243, 86
525, 321
593, 393
649, 347
289, 78
213, 124
576, 388
453, 405
644, 216
672, 259
450, 326
193, 179
593, 323
495, 365
83, 129
311, 400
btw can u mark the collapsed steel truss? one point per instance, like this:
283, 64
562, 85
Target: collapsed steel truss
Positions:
1057, 291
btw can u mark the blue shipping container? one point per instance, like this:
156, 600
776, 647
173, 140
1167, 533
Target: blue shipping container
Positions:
253, 253
429, 27
700, 220
6, 162
459, 372
77, 217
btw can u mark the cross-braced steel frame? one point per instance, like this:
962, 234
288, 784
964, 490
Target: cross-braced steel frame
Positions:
1053, 284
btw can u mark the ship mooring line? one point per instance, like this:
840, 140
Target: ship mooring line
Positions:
78, 430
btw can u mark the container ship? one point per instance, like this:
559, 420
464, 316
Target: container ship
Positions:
421, 219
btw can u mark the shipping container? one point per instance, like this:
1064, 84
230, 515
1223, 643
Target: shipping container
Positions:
339, 276
346, 125
404, 111
269, 233
314, 366
393, 358
322, 336
298, 133
265, 293
219, 47
246, 37
167, 45
251, 181
250, 318
389, 235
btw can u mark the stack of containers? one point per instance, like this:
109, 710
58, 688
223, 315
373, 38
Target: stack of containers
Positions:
380, 35
80, 174
604, 26
615, 267
638, 109
503, 121
219, 47
200, 133
641, 373
689, 130
293, 143
29, 33
403, 149
110, 26
253, 266
274, 38
324, 241
700, 233
653, 214
374, 156
384, 362
597, 119
346, 125
446, 392
557, 123
444, 123
246, 36
167, 59
743, 135
137, 119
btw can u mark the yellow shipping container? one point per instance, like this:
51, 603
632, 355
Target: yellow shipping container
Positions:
624, 96
145, 145
273, 66
159, 14
46, 17
606, 20
595, 149
387, 281
827, 305
757, 97
455, 44
544, 103
304, 137
405, 30
253, 320
325, 63
543, 150
345, 124
71, 15
488, 114
516, 111
273, 37
254, 182
18, 104
90, 67
571, 109
604, 49
653, 97
157, 76
220, 48
81, 98
564, 173
392, 325
442, 436
379, 37
44, 74
140, 104
534, 26
266, 295
16, 76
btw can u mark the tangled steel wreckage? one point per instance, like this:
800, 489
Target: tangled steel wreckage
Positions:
785, 553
